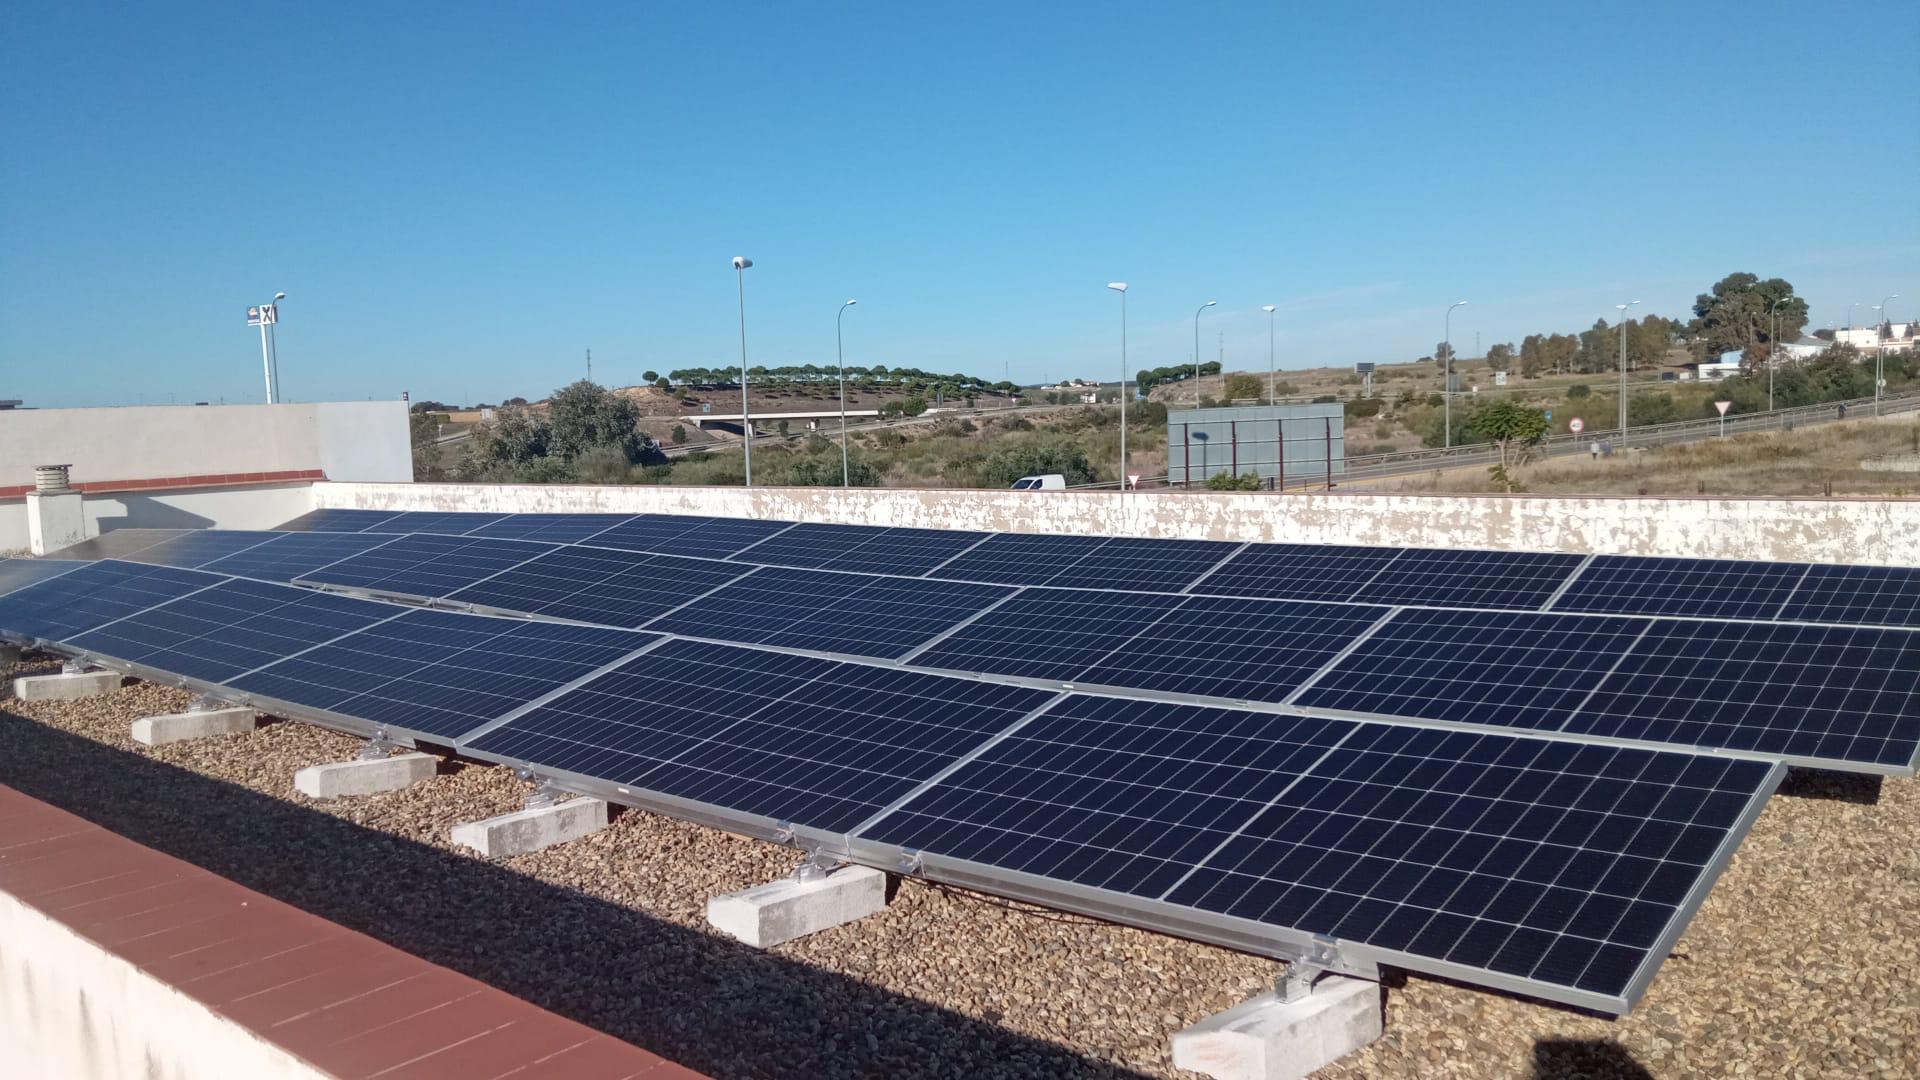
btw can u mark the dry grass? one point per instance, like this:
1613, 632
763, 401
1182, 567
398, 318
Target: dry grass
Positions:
1815, 461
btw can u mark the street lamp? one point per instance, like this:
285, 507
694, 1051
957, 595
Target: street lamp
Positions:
1882, 340
839, 349
1446, 380
1121, 288
1773, 344
1196, 351
273, 344
740, 264
1623, 370
1268, 308
263, 315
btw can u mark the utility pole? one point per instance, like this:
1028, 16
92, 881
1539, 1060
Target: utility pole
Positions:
589, 365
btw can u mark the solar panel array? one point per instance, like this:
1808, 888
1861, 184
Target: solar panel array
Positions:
1225, 740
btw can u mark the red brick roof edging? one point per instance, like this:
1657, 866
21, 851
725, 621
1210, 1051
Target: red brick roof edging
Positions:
332, 999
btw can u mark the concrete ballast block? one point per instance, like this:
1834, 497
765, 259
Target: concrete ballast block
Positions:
780, 911
1264, 1039
364, 777
65, 686
179, 727
530, 830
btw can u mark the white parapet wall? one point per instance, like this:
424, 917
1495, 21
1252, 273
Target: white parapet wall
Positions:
71, 1009
1870, 531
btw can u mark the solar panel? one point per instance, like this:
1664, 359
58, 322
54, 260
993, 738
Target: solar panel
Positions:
552, 528
616, 588
1700, 588
1048, 633
199, 547
1297, 571
865, 548
1882, 595
230, 628
1519, 669
93, 595
1250, 650
440, 673
1020, 558
1088, 562
19, 573
818, 743
337, 520
290, 556
860, 614
1841, 696
1115, 794
1556, 868
439, 522
1522, 580
675, 534
427, 565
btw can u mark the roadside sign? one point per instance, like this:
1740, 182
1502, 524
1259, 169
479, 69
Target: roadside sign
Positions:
1133, 479
1499, 378
1575, 425
1364, 367
263, 314
1723, 406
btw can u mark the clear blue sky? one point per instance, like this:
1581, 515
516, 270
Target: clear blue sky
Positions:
460, 199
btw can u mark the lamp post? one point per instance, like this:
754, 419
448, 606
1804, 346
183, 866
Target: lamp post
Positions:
263, 316
1268, 308
1196, 351
1446, 379
740, 264
273, 344
840, 351
1623, 370
1121, 288
1773, 345
1882, 340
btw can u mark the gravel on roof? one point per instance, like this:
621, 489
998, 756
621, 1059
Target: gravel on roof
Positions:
1804, 961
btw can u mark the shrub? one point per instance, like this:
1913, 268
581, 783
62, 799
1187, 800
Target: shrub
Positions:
1383, 430
1579, 390
679, 434
1226, 481
1242, 385
1360, 408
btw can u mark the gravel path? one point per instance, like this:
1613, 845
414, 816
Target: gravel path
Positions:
1801, 963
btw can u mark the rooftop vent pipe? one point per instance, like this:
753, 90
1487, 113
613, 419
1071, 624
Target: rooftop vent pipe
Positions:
51, 479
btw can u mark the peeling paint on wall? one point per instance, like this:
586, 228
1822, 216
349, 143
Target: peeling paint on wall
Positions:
1871, 531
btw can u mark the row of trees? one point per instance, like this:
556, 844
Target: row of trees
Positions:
1740, 312
807, 376
1152, 377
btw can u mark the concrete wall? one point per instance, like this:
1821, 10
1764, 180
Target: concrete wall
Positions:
251, 506
70, 1009
1876, 531
351, 440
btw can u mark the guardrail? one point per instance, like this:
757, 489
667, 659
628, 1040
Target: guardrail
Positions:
1374, 466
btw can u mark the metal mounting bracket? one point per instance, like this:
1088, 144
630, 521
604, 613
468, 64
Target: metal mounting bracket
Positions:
75, 665
546, 791
202, 703
910, 864
816, 866
1323, 957
377, 746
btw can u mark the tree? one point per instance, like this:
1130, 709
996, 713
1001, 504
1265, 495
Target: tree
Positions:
1515, 431
424, 433
1443, 352
679, 434
1533, 356
1500, 357
649, 376
1735, 314
1242, 385
430, 406
583, 416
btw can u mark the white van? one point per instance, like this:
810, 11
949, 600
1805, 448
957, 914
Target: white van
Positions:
1043, 482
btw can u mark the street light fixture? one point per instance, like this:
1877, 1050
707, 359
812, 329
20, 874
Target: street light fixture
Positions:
839, 349
740, 264
1623, 370
1446, 380
1121, 288
1268, 308
1882, 340
1773, 344
1196, 351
